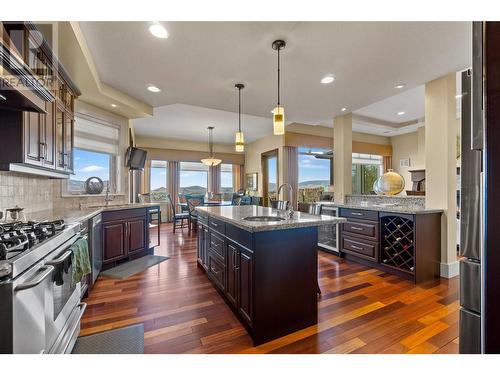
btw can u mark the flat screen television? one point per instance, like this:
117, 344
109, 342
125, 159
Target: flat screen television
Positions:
135, 158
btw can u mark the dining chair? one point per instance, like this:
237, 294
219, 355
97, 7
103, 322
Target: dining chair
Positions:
177, 217
193, 216
183, 202
236, 199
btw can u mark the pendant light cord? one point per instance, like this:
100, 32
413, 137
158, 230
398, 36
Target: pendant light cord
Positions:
239, 109
279, 76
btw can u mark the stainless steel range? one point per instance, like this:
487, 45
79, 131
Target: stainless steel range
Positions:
40, 306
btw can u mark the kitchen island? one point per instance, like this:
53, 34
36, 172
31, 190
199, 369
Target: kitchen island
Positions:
267, 271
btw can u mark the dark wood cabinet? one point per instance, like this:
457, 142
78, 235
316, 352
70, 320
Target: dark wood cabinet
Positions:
136, 233
114, 240
281, 265
404, 244
245, 284
39, 142
125, 235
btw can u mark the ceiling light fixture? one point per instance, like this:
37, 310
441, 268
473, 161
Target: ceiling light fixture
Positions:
400, 85
401, 113
114, 105
239, 144
153, 88
211, 161
327, 79
343, 109
158, 31
279, 111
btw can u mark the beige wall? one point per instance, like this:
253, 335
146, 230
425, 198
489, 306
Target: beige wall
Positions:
412, 146
180, 144
253, 156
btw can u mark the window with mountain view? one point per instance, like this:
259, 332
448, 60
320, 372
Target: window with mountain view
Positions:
366, 169
158, 181
89, 164
193, 178
226, 179
314, 174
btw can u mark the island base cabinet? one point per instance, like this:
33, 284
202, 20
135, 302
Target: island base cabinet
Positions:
269, 279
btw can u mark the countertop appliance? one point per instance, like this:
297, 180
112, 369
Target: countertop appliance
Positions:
41, 308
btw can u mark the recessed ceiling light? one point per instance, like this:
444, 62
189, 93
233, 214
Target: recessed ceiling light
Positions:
401, 113
153, 88
158, 31
327, 79
343, 109
400, 85
114, 105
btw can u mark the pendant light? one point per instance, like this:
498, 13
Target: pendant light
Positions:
239, 143
279, 111
211, 161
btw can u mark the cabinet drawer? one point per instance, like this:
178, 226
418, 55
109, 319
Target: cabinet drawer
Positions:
364, 228
217, 224
202, 217
359, 214
217, 245
361, 248
217, 272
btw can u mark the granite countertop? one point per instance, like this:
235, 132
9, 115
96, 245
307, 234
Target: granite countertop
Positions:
385, 208
235, 214
71, 215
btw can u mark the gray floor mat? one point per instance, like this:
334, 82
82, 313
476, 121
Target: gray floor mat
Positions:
128, 269
126, 340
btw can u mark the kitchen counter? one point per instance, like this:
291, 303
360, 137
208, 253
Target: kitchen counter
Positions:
71, 215
235, 215
385, 208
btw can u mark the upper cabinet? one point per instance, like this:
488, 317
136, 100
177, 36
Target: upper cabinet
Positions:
39, 133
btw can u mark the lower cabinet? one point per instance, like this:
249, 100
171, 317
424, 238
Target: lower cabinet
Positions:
245, 285
124, 234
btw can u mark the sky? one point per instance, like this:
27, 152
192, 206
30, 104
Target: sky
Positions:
89, 164
311, 169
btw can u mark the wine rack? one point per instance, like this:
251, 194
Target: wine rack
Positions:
398, 242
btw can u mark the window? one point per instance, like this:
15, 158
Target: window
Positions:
158, 182
226, 178
272, 176
95, 154
314, 174
365, 171
193, 178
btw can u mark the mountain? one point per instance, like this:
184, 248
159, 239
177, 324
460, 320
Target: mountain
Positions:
314, 183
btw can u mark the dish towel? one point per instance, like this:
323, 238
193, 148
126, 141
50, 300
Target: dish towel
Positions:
80, 259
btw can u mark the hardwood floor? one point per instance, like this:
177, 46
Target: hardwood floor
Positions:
361, 310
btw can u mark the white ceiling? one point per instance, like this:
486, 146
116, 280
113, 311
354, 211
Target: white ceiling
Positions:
189, 122
200, 62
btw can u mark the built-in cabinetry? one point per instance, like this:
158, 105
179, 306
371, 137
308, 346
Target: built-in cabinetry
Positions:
268, 278
39, 142
125, 235
405, 244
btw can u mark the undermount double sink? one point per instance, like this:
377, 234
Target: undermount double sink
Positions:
264, 218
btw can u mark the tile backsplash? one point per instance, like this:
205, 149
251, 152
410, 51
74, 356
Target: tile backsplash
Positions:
31, 192
37, 193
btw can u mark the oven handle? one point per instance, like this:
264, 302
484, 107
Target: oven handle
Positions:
36, 281
83, 307
59, 260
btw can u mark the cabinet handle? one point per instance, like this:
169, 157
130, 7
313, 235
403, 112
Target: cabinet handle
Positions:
42, 150
214, 271
235, 254
215, 224
356, 228
356, 213
356, 247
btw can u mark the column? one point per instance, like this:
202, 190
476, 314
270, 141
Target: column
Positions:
342, 157
441, 164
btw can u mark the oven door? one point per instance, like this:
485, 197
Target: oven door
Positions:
62, 301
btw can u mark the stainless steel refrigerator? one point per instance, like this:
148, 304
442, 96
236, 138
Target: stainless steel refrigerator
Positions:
480, 195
